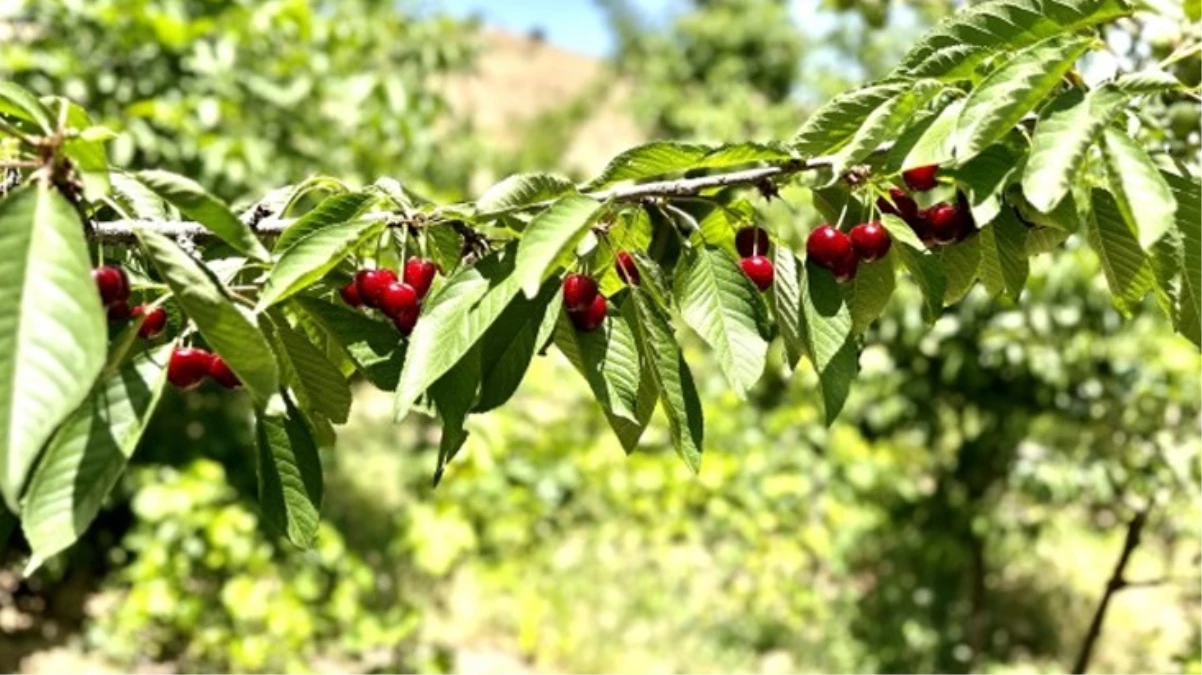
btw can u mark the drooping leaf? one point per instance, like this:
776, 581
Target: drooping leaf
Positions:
18, 102
924, 268
1149, 81
961, 265
827, 330
508, 346
1066, 129
548, 236
786, 303
453, 395
835, 124
1013, 90
311, 257
1127, 268
1004, 266
1141, 192
289, 469
721, 305
958, 44
982, 179
88, 454
452, 322
885, 121
1187, 316
374, 346
523, 189
868, 293
935, 145
333, 210
191, 199
51, 326
663, 357
228, 331
316, 382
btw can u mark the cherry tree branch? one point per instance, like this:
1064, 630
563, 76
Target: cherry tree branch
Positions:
123, 231
1116, 583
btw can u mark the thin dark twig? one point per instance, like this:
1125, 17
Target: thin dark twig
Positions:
1115, 584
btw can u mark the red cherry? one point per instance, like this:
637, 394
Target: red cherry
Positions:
350, 294
419, 273
921, 178
759, 269
188, 366
844, 269
112, 282
118, 311
579, 292
154, 323
827, 245
406, 319
870, 241
397, 298
591, 318
751, 241
945, 223
899, 204
627, 270
220, 371
372, 283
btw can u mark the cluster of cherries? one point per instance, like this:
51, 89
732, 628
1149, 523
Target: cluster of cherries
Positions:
188, 366
399, 300
939, 225
752, 243
842, 253
585, 304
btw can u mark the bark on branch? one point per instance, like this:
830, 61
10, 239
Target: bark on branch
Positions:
1116, 583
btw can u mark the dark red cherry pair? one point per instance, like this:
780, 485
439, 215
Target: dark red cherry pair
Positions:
752, 244
584, 303
399, 300
940, 224
842, 253
113, 285
191, 365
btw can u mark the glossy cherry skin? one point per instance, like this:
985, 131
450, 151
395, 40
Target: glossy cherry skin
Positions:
827, 245
627, 270
118, 311
372, 284
751, 241
220, 371
579, 292
844, 269
397, 298
419, 273
898, 204
590, 318
870, 241
112, 283
188, 366
760, 270
350, 294
945, 222
406, 319
154, 323
921, 178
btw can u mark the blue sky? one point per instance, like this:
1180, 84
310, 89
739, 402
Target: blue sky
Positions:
572, 24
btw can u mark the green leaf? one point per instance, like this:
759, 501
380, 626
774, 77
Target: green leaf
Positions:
930, 139
1013, 90
1141, 192
550, 235
18, 102
663, 357
1004, 255
883, 123
86, 149
958, 44
658, 159
524, 189
509, 344
1042, 240
983, 178
1066, 129
228, 331
786, 303
1145, 82
454, 394
51, 333
1127, 268
333, 210
136, 199
1188, 315
191, 199
313, 256
608, 358
827, 329
721, 305
452, 322
961, 264
924, 268
868, 293
289, 468
88, 454
317, 383
373, 346
835, 124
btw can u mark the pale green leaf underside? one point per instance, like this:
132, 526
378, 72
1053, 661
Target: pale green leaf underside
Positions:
869, 292
1141, 192
1003, 245
1066, 129
1126, 266
827, 326
332, 210
317, 382
547, 237
289, 468
786, 303
191, 199
523, 189
312, 257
